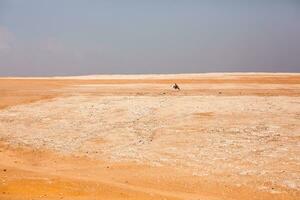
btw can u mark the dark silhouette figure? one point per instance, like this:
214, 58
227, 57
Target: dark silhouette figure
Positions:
176, 87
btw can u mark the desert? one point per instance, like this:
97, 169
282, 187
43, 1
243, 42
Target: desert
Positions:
222, 136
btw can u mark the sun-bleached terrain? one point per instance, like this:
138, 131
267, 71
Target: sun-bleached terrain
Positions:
221, 137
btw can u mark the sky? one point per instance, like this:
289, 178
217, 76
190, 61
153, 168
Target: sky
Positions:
81, 37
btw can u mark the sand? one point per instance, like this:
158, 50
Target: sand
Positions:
222, 136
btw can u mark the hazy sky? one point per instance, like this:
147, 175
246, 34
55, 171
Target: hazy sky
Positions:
69, 37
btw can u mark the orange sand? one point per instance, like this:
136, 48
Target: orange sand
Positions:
34, 172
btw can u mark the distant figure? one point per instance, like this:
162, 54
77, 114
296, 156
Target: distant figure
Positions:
176, 87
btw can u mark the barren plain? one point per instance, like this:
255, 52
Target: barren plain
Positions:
221, 137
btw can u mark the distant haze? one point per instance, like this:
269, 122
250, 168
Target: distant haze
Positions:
78, 37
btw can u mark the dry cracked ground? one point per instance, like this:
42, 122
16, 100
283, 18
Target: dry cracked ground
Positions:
221, 137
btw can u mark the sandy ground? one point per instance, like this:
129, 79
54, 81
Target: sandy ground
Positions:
223, 136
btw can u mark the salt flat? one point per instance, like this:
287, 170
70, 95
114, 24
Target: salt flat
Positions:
222, 136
